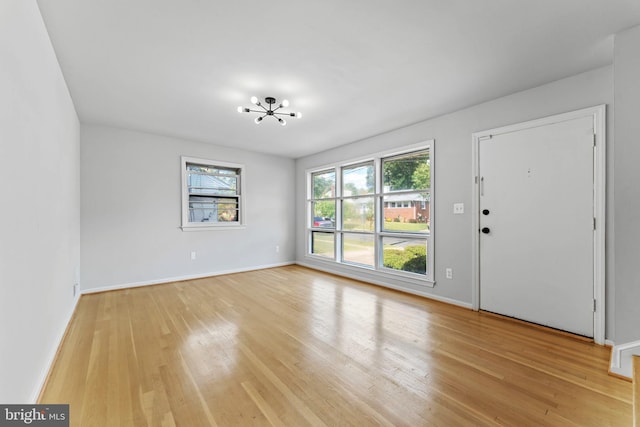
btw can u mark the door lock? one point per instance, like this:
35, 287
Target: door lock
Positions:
486, 230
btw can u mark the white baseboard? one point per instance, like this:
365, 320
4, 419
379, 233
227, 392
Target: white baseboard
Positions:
622, 358
44, 373
387, 285
181, 278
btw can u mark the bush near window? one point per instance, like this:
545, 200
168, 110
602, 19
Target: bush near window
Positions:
412, 259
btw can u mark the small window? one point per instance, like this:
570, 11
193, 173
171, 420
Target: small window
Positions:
211, 194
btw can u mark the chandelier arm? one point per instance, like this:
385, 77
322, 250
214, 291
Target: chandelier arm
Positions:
281, 114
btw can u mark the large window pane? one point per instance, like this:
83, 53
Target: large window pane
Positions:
407, 172
358, 214
324, 184
323, 244
358, 248
408, 255
406, 212
358, 180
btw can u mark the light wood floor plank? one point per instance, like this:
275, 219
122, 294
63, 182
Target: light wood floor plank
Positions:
295, 347
636, 391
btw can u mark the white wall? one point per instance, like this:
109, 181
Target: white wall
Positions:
453, 177
627, 185
131, 211
40, 214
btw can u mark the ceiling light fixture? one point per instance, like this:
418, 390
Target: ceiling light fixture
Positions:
270, 111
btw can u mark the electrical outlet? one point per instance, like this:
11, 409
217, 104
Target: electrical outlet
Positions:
448, 273
277, 249
458, 208
76, 289
193, 255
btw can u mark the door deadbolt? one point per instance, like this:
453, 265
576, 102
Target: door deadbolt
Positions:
486, 230
485, 212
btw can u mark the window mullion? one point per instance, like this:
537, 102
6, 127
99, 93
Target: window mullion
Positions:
339, 216
378, 212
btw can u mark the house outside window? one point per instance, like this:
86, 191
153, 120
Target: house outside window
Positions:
404, 210
211, 194
374, 214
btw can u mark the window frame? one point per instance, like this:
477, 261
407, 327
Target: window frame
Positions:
187, 225
378, 232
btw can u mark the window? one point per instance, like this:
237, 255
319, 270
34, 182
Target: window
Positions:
211, 194
374, 214
406, 180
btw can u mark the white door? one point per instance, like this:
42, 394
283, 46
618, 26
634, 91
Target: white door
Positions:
537, 224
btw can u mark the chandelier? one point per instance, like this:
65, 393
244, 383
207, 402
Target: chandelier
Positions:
269, 111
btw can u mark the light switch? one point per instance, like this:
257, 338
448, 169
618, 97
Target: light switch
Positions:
458, 208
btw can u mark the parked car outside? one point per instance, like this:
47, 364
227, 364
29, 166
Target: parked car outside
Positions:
318, 221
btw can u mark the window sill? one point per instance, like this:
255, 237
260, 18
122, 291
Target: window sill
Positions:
385, 275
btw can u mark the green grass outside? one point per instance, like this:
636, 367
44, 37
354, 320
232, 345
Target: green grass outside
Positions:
406, 226
417, 227
323, 245
358, 226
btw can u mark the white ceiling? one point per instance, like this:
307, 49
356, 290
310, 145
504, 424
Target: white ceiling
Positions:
354, 68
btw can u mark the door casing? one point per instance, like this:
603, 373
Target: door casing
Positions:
598, 113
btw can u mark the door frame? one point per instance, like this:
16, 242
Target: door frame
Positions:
598, 113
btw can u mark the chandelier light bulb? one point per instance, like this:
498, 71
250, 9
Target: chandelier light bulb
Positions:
284, 103
258, 120
240, 109
254, 100
299, 115
282, 121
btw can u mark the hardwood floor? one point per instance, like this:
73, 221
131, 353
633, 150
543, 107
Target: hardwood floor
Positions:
296, 347
636, 391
